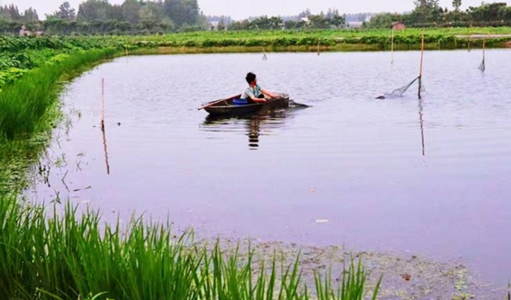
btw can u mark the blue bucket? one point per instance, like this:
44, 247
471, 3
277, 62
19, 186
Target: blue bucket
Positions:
240, 101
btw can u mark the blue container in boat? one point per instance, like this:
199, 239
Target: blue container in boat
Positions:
240, 101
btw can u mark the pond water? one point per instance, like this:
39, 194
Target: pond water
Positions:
428, 177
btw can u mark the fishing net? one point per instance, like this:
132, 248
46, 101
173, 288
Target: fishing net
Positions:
482, 66
264, 55
400, 91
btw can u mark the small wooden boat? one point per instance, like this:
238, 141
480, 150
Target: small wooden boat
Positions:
231, 105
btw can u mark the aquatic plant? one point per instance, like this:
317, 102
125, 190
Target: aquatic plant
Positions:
67, 255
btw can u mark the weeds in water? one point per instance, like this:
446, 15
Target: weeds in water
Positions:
66, 257
352, 286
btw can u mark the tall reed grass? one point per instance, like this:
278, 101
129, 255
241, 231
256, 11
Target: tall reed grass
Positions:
65, 256
24, 103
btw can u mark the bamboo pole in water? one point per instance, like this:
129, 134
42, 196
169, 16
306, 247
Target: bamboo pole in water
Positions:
484, 54
103, 124
422, 61
392, 48
102, 103
105, 149
318, 46
421, 121
468, 38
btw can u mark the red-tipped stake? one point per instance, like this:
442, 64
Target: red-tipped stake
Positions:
422, 60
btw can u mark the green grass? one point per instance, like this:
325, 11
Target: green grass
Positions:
445, 38
30, 109
24, 103
69, 256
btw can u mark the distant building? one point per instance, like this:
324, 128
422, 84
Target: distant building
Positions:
25, 32
354, 24
398, 26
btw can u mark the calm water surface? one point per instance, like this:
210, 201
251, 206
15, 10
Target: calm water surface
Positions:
429, 177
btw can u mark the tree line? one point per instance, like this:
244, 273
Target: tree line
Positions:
102, 17
428, 13
161, 16
304, 20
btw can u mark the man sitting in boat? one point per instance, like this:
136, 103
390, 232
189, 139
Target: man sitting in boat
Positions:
254, 93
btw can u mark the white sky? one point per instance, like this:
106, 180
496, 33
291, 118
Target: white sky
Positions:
241, 9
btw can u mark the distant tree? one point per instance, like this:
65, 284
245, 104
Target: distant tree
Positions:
203, 21
94, 10
319, 21
266, 23
221, 23
336, 19
151, 12
426, 11
5, 15
384, 20
115, 12
290, 24
65, 12
456, 4
304, 14
240, 25
182, 12
130, 11
14, 12
490, 12
167, 25
30, 15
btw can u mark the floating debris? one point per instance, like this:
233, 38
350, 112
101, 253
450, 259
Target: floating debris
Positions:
322, 221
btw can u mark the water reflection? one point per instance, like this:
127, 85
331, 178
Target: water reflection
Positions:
254, 126
105, 148
421, 121
253, 133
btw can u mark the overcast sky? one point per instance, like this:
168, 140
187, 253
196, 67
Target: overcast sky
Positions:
240, 9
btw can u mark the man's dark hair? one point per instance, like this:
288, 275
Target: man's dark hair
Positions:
250, 77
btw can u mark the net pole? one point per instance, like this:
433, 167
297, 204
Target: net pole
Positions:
484, 50
468, 38
103, 103
421, 120
421, 64
105, 150
392, 48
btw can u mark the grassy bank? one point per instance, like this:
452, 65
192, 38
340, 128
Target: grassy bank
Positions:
66, 256
30, 110
333, 40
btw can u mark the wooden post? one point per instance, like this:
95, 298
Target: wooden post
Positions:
421, 121
103, 104
392, 48
105, 149
318, 45
468, 38
422, 60
484, 52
